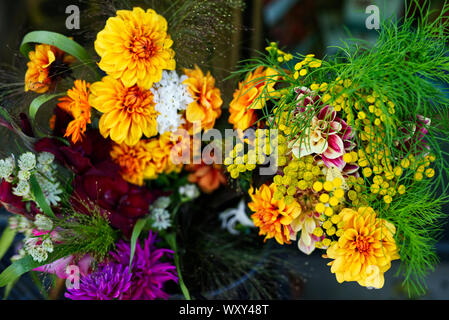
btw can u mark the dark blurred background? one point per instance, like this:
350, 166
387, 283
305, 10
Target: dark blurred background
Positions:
304, 26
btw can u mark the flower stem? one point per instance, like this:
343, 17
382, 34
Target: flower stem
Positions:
171, 240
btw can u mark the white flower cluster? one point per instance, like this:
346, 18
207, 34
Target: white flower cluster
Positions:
160, 214
44, 170
7, 167
38, 247
189, 192
161, 218
170, 96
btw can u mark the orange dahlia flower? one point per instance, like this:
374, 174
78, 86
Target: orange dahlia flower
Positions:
365, 250
208, 177
76, 103
162, 149
134, 46
133, 161
207, 103
128, 112
273, 217
47, 64
252, 94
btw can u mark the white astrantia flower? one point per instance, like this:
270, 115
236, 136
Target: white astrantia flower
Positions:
45, 158
161, 203
7, 167
161, 218
24, 225
13, 222
42, 222
230, 217
170, 96
38, 253
22, 189
189, 191
24, 175
47, 244
27, 161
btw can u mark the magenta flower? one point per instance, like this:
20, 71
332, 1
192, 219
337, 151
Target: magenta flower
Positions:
149, 273
145, 280
108, 282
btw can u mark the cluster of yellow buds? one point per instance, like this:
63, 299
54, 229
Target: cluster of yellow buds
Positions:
330, 199
259, 149
281, 55
297, 176
302, 67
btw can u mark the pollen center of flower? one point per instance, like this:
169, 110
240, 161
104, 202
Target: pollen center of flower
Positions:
133, 99
143, 48
362, 244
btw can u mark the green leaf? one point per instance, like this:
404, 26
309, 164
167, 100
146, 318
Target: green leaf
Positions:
26, 264
61, 42
6, 241
9, 287
135, 235
39, 101
39, 197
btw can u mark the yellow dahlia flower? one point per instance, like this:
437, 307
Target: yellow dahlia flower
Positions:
47, 64
163, 149
251, 94
273, 217
128, 112
134, 46
206, 106
365, 250
76, 104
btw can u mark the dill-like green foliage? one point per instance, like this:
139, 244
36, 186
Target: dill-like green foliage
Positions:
408, 65
85, 234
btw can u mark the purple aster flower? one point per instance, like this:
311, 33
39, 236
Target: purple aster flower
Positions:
108, 282
148, 272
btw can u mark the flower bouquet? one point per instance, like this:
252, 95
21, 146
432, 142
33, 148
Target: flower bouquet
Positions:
344, 155
96, 192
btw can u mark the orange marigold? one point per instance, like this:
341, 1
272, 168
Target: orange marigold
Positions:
128, 112
76, 103
273, 217
47, 64
134, 161
251, 94
162, 150
365, 250
134, 46
209, 177
207, 98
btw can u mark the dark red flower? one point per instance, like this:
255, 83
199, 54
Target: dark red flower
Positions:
98, 181
13, 203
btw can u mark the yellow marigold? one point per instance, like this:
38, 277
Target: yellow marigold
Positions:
273, 217
76, 103
128, 112
134, 161
134, 46
207, 103
47, 64
365, 250
251, 94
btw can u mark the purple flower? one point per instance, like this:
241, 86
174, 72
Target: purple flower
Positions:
114, 281
148, 272
108, 282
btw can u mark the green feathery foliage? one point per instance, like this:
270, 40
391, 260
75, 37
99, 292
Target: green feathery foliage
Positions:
406, 69
85, 234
